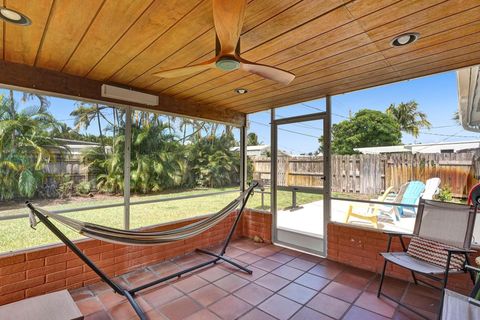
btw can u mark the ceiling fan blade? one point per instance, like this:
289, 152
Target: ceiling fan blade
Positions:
268, 72
185, 71
228, 16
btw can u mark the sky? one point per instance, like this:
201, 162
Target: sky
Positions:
436, 96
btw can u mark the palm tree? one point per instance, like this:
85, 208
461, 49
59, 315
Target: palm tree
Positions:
158, 170
408, 117
25, 147
456, 117
212, 162
252, 139
184, 124
44, 102
86, 113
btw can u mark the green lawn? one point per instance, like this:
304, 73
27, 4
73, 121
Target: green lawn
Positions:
17, 234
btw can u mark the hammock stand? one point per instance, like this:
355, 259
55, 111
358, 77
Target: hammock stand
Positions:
130, 293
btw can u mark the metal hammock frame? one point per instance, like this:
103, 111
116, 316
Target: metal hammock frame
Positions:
130, 293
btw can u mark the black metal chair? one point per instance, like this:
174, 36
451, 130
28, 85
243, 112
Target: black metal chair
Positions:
439, 245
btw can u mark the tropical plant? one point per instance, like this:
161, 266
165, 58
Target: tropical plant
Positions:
456, 117
199, 154
156, 160
108, 168
86, 113
213, 163
252, 139
408, 117
367, 128
25, 147
83, 187
65, 187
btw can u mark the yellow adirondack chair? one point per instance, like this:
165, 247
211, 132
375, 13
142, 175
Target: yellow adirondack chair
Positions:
370, 214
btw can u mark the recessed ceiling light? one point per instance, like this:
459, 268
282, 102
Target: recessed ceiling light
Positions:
13, 16
404, 39
240, 90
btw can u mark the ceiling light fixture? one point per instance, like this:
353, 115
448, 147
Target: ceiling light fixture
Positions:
404, 39
15, 17
240, 90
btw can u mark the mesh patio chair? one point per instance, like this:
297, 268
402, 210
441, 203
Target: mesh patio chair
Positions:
439, 245
457, 306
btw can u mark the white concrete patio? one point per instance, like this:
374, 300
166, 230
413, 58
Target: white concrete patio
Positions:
309, 218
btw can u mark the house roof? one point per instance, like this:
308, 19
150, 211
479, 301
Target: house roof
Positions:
73, 47
423, 147
76, 142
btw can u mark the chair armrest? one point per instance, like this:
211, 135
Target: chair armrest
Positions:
400, 235
472, 268
396, 234
458, 250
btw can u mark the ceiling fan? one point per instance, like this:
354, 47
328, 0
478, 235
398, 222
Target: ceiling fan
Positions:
228, 18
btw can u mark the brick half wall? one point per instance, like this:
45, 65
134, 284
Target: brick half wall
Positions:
360, 247
51, 268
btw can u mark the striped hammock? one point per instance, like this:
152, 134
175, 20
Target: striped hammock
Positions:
136, 237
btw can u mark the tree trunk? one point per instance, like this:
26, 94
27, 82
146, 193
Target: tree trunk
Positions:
102, 142
12, 116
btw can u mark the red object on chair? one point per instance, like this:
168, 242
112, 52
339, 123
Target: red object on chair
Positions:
474, 194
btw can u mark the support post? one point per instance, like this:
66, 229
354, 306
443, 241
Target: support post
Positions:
273, 173
243, 158
126, 167
327, 185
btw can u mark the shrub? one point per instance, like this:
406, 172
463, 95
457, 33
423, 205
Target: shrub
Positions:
83, 187
65, 187
445, 194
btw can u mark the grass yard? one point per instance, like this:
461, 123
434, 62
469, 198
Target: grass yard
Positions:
17, 234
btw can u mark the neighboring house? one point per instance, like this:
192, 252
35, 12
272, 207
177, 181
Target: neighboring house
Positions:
260, 150
75, 147
440, 147
67, 159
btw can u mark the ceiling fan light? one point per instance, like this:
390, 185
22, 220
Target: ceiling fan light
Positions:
14, 17
227, 64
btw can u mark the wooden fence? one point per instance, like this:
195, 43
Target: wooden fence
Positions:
371, 174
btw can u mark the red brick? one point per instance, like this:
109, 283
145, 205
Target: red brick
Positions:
98, 249
75, 279
52, 277
54, 259
29, 283
74, 263
45, 270
46, 252
22, 266
74, 271
10, 259
88, 244
12, 297
12, 278
47, 287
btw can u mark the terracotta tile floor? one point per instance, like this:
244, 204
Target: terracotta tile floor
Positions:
285, 285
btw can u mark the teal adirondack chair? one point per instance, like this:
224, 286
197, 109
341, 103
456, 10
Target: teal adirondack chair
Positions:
411, 195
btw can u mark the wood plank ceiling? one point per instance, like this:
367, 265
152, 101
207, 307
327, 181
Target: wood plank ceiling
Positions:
332, 46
